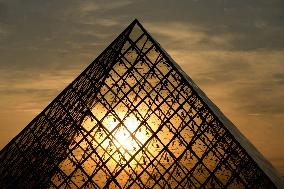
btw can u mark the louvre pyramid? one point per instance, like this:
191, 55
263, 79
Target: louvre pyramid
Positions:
133, 119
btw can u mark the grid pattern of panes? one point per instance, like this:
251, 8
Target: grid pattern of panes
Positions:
139, 125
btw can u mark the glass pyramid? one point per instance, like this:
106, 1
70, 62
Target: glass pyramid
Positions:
133, 119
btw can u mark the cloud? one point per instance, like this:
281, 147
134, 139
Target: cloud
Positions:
278, 78
91, 6
190, 37
107, 22
3, 33
248, 82
31, 91
249, 25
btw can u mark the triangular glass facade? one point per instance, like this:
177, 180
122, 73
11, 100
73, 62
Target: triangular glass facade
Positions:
130, 120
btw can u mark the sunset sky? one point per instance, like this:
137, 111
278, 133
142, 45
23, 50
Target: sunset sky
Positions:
233, 49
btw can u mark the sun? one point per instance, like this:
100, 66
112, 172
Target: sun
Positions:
127, 136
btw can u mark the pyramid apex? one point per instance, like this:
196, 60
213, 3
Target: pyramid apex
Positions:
135, 20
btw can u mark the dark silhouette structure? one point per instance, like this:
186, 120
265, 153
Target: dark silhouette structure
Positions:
133, 119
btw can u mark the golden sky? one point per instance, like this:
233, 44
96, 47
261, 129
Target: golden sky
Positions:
234, 51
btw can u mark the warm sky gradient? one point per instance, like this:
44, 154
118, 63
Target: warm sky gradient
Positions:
233, 49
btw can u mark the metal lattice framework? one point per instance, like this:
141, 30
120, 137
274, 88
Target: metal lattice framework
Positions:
132, 119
